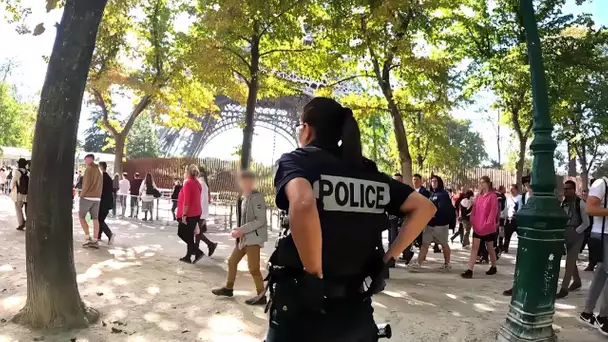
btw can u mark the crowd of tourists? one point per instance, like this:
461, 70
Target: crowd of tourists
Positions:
483, 220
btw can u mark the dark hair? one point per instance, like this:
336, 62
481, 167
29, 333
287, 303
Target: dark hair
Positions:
103, 165
125, 175
149, 181
21, 163
525, 179
469, 194
136, 174
570, 182
398, 175
515, 187
417, 175
245, 174
440, 185
332, 123
90, 155
487, 180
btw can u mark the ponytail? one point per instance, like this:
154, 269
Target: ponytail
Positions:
351, 140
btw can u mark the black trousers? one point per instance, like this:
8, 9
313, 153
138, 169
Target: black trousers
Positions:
185, 230
344, 321
103, 226
173, 207
510, 228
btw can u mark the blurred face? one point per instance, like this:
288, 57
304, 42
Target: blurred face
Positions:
246, 184
513, 191
304, 133
434, 183
417, 181
569, 190
483, 185
88, 161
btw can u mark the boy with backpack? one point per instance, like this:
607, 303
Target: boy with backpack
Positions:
19, 188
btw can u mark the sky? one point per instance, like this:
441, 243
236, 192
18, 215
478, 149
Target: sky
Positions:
27, 52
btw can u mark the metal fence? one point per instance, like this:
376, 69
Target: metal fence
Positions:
223, 183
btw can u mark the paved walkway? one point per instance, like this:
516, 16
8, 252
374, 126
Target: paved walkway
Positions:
145, 294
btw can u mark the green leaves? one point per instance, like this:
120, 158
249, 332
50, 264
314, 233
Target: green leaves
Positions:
17, 119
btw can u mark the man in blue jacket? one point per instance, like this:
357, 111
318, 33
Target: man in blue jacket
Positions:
439, 227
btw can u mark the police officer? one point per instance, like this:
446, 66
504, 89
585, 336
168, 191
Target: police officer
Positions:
337, 203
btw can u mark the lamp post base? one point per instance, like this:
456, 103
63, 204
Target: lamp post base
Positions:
527, 327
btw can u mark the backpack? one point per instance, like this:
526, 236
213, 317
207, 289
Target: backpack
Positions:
23, 183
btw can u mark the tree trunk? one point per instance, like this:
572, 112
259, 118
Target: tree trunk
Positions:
498, 139
252, 98
53, 300
571, 162
405, 157
582, 158
119, 141
521, 159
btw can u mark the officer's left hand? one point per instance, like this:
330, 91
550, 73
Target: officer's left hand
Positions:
237, 233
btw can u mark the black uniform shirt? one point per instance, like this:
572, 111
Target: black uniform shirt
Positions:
352, 205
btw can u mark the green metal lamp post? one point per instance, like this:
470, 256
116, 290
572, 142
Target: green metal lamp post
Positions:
541, 222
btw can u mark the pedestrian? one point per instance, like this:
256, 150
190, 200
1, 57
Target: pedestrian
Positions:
136, 183
438, 227
513, 202
115, 187
90, 198
484, 219
106, 204
465, 205
124, 188
598, 251
148, 192
19, 189
578, 222
316, 281
177, 187
9, 178
419, 187
205, 201
250, 235
189, 213
2, 180
395, 222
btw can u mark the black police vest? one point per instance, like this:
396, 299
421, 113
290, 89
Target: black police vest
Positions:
351, 205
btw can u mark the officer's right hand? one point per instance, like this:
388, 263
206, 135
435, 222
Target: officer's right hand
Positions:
311, 292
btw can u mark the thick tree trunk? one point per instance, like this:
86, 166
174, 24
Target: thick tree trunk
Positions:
53, 300
571, 162
521, 159
252, 98
119, 153
405, 157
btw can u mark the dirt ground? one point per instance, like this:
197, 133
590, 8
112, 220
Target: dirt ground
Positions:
145, 294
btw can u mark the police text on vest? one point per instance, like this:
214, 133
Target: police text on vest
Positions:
352, 194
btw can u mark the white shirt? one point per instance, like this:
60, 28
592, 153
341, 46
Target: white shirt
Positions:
511, 204
204, 199
598, 190
124, 187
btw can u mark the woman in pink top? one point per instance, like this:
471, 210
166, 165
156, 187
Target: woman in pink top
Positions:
189, 213
484, 219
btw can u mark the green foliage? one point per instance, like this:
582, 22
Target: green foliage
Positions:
96, 138
578, 78
143, 140
16, 120
137, 55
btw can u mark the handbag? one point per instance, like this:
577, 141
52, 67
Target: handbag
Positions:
596, 245
156, 193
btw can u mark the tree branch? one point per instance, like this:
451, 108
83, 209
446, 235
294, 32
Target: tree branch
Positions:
139, 107
105, 120
243, 78
238, 55
269, 24
346, 79
283, 50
